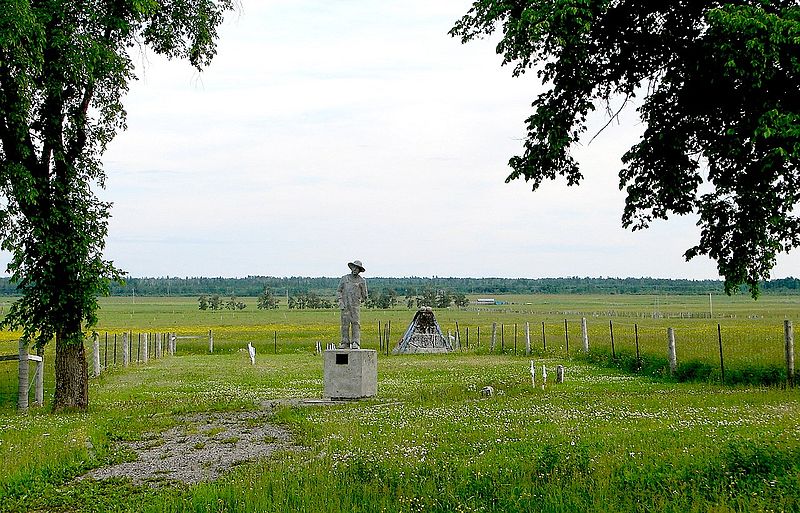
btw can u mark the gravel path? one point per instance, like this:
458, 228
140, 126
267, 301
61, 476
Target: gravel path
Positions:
201, 448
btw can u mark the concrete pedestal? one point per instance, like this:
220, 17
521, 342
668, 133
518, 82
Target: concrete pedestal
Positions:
350, 373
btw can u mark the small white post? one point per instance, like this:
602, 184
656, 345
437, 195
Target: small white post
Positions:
560, 374
145, 348
671, 352
126, 350
22, 400
494, 337
96, 354
210, 341
584, 335
544, 376
173, 343
252, 352
528, 339
159, 346
788, 334
533, 374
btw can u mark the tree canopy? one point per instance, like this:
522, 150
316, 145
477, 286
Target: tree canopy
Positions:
65, 66
720, 105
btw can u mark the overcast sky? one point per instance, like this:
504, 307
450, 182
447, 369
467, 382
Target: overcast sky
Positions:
326, 131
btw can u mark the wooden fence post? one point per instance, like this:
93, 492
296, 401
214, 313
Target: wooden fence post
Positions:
788, 335
671, 352
494, 337
721, 361
96, 354
126, 350
145, 349
560, 374
159, 346
22, 389
544, 338
210, 341
611, 331
584, 335
528, 338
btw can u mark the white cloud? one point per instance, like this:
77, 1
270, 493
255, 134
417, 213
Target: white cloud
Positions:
326, 131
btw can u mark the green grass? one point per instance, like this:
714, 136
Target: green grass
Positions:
609, 439
602, 441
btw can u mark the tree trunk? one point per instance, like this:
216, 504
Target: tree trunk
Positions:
72, 383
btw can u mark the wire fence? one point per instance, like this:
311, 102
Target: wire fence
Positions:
751, 353
704, 351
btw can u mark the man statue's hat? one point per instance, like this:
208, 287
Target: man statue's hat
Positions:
356, 263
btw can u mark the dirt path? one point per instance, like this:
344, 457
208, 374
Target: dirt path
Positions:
201, 448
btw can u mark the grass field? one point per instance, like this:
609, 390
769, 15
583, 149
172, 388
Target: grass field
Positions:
752, 331
606, 440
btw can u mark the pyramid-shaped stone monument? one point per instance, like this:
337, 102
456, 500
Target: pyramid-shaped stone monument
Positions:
423, 335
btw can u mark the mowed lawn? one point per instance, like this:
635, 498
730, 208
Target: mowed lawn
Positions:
605, 440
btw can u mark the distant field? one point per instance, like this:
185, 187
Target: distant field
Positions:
752, 331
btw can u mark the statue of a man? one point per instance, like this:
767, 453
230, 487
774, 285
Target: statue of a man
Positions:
352, 291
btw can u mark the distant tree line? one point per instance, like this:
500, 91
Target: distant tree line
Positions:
309, 300
215, 302
386, 298
437, 298
265, 301
413, 287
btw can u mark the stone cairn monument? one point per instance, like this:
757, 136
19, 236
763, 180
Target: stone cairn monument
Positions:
423, 335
